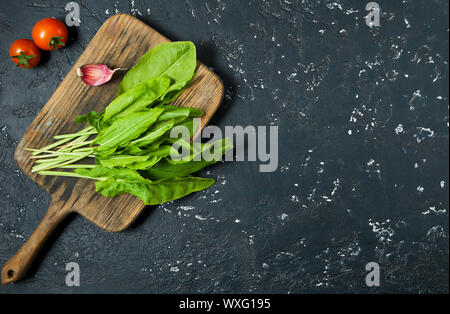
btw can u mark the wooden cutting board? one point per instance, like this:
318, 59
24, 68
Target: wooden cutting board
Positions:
119, 43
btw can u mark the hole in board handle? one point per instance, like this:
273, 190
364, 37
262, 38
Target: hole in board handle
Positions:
10, 273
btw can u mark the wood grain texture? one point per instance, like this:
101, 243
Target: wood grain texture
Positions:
120, 42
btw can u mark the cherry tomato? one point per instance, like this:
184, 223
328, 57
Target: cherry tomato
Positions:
25, 53
50, 34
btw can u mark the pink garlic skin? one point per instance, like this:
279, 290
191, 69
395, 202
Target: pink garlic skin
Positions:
95, 74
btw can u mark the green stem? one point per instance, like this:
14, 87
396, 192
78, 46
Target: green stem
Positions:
55, 154
87, 131
68, 174
65, 139
56, 164
49, 147
23, 59
78, 166
53, 160
71, 146
56, 43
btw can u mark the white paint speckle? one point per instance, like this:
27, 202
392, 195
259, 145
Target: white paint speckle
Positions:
408, 25
423, 133
399, 129
343, 31
415, 95
200, 217
185, 208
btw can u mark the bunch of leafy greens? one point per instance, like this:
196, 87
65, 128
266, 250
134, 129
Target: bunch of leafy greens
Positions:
132, 148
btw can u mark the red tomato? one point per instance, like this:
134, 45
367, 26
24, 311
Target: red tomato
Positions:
25, 53
50, 34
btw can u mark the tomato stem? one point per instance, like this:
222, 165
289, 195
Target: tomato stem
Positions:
55, 42
23, 59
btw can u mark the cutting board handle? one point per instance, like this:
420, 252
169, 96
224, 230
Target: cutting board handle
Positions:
17, 266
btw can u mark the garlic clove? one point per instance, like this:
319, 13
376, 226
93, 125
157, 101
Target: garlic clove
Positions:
95, 74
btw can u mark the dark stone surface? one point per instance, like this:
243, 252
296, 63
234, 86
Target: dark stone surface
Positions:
363, 153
